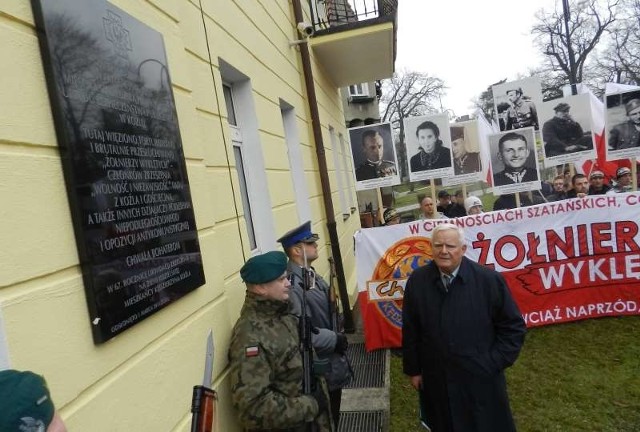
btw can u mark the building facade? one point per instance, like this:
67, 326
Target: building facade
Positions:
258, 164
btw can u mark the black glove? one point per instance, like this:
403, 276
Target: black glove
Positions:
321, 398
341, 343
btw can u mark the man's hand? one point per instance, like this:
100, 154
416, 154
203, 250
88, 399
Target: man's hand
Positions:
416, 382
341, 343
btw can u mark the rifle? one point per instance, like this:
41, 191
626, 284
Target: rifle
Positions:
203, 401
306, 345
334, 312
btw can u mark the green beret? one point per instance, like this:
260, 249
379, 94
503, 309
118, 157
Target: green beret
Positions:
26, 402
264, 268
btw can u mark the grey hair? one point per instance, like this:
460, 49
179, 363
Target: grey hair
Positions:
449, 227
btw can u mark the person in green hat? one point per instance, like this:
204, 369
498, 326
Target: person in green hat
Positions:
26, 405
264, 355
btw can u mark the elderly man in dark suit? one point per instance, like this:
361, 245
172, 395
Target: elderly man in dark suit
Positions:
461, 330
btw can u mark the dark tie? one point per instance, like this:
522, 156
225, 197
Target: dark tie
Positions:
447, 281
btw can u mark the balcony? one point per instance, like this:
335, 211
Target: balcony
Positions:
354, 40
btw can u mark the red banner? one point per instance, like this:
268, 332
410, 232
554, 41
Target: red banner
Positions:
563, 261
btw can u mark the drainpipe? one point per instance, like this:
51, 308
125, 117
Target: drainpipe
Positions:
324, 175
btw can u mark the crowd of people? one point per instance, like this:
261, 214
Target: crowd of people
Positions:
560, 188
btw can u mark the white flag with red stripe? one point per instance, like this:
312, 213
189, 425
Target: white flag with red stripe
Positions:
484, 130
586, 166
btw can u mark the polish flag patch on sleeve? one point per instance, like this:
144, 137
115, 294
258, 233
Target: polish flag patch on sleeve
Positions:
251, 351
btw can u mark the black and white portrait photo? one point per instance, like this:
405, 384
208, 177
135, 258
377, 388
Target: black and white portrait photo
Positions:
567, 130
465, 148
517, 102
623, 125
374, 156
428, 146
513, 161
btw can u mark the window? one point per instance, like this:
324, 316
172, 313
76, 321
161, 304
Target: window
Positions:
249, 160
361, 89
292, 139
347, 173
337, 163
228, 100
236, 139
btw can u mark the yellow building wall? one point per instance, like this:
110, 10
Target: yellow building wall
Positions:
141, 380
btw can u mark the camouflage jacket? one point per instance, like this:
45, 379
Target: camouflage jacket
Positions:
266, 369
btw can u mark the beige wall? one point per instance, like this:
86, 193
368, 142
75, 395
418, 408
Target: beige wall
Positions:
141, 380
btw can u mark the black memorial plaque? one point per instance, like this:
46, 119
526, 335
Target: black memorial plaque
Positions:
123, 161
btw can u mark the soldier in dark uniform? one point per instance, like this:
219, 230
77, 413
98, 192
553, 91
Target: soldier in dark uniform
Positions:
464, 162
374, 166
301, 246
562, 134
522, 112
513, 151
627, 135
264, 355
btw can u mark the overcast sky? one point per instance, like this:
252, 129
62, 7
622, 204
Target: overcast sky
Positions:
469, 44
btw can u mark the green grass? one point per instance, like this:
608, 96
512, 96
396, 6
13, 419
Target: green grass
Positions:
420, 189
581, 377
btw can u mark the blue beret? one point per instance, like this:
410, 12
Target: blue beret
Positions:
25, 401
299, 234
264, 268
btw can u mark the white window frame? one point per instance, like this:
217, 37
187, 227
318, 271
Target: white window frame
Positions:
347, 172
296, 163
359, 90
339, 168
246, 138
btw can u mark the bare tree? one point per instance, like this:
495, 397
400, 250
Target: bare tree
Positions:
620, 62
484, 102
568, 41
408, 94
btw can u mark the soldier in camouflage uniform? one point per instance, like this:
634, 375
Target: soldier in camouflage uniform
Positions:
265, 359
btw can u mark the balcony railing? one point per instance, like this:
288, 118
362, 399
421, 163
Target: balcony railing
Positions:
329, 16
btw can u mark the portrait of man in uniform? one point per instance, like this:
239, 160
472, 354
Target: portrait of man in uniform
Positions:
627, 134
465, 161
374, 166
514, 151
522, 112
523, 98
374, 156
